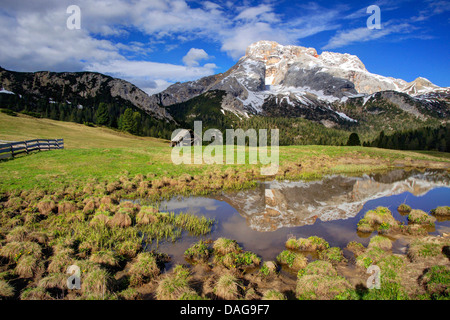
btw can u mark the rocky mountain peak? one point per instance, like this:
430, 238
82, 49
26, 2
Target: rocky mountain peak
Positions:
342, 60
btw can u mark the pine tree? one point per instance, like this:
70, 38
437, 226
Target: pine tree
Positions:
353, 140
102, 114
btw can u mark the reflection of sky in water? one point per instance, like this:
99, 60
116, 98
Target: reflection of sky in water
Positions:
268, 245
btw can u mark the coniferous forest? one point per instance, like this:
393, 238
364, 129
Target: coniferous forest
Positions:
114, 114
123, 116
427, 138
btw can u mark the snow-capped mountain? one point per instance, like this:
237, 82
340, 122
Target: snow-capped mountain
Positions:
272, 76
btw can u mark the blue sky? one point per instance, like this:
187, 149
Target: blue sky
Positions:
154, 43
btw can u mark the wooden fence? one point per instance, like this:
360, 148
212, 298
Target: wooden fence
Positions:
11, 149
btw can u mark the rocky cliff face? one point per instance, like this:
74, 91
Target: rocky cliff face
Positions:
64, 86
272, 79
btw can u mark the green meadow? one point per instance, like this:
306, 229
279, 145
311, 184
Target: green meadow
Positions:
101, 154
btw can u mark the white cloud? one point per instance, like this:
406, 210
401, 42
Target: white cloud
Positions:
193, 57
364, 34
150, 76
34, 34
262, 13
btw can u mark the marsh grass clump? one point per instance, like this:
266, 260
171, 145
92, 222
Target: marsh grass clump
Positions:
441, 211
39, 237
245, 259
106, 258
356, 247
420, 217
319, 281
268, 269
436, 281
175, 285
425, 248
15, 204
391, 284
370, 256
17, 234
222, 246
391, 266
66, 206
381, 242
318, 267
143, 269
292, 244
113, 186
273, 294
120, 219
227, 287
404, 209
197, 226
56, 280
36, 293
100, 219
129, 294
379, 219
28, 266
198, 252
147, 215
333, 255
97, 281
60, 261
293, 260
312, 243
15, 250
6, 290
47, 207
89, 207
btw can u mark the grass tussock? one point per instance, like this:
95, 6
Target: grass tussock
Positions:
421, 217
227, 287
312, 243
36, 293
436, 281
97, 282
60, 261
381, 242
441, 211
47, 207
15, 250
175, 286
293, 260
198, 252
28, 266
404, 209
427, 248
379, 219
56, 280
319, 281
6, 290
143, 269
273, 294
333, 255
147, 215
222, 246
106, 258
120, 219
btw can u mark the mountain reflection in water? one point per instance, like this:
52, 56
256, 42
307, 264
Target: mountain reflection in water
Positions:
261, 221
278, 204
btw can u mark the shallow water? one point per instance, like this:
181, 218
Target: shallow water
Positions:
262, 219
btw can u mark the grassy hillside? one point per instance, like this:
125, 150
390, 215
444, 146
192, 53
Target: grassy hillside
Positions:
100, 155
76, 136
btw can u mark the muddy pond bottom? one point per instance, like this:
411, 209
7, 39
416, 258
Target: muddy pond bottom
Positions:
262, 219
